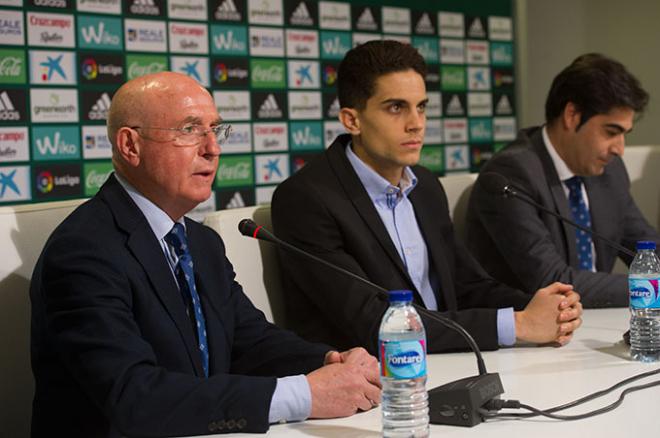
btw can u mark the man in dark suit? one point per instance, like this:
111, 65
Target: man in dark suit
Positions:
138, 326
572, 166
365, 205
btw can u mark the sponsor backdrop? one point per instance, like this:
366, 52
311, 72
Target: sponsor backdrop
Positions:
271, 66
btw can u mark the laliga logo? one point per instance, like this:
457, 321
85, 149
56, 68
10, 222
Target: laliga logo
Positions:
45, 181
329, 75
220, 73
404, 359
90, 69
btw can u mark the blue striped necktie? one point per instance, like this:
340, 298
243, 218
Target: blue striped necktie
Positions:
581, 215
184, 272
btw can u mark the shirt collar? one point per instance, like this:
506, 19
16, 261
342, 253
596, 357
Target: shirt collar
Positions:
562, 169
376, 186
158, 220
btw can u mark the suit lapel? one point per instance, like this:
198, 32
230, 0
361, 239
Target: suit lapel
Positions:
355, 191
558, 195
147, 251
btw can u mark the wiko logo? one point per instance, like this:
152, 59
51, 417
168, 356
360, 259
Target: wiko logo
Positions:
229, 41
334, 46
98, 35
56, 147
305, 137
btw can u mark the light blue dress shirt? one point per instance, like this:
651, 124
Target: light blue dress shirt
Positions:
292, 399
398, 215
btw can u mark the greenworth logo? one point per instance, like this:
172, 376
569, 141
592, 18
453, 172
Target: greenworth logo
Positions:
95, 175
229, 40
334, 45
12, 67
428, 48
267, 73
55, 143
501, 54
305, 136
431, 158
453, 78
99, 33
140, 65
481, 130
235, 171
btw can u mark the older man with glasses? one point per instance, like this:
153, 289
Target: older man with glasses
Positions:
138, 326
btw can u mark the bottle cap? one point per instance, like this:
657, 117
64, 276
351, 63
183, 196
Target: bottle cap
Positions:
397, 296
645, 244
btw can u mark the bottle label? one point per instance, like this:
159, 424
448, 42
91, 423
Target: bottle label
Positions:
403, 359
644, 293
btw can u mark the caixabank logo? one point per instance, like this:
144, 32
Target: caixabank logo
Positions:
95, 105
14, 183
52, 68
103, 33
269, 105
304, 74
12, 106
57, 181
228, 10
13, 67
149, 8
197, 67
55, 143
300, 13
229, 40
230, 72
55, 4
102, 69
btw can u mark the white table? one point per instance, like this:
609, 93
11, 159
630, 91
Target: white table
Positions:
538, 376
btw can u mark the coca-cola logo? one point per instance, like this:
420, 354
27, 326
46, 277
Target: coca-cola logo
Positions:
11, 66
136, 70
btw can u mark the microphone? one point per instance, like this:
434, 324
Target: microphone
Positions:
497, 184
456, 403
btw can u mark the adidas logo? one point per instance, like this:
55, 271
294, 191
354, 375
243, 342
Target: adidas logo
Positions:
236, 201
269, 109
477, 29
300, 16
366, 21
144, 7
454, 107
424, 25
7, 110
333, 109
99, 110
227, 11
503, 106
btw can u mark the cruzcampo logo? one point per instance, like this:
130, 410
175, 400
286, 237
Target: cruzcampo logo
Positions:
267, 73
428, 48
99, 33
140, 65
305, 136
481, 130
12, 67
96, 173
235, 171
431, 158
334, 45
229, 40
453, 78
55, 143
501, 54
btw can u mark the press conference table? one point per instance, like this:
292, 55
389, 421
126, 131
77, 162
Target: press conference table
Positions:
541, 377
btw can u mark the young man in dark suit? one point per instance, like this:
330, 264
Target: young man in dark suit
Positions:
571, 165
138, 326
366, 206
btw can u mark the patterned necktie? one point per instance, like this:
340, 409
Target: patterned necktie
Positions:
176, 238
581, 215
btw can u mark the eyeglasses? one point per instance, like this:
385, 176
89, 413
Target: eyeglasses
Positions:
192, 135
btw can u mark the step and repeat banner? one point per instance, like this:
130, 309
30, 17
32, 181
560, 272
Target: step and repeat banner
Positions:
271, 66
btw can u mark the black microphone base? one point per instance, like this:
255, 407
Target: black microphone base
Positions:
457, 403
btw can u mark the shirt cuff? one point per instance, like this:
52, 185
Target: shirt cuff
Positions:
506, 327
292, 400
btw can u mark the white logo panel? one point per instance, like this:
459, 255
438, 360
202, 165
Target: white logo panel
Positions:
265, 12
14, 144
477, 52
455, 130
433, 133
15, 183
457, 157
361, 38
331, 130
270, 137
451, 24
396, 20
334, 15
187, 9
197, 67
266, 41
452, 51
304, 74
504, 128
188, 38
145, 35
434, 105
480, 104
500, 28
240, 139
304, 105
53, 105
12, 30
95, 142
233, 105
99, 6
57, 68
56, 30
302, 43
271, 168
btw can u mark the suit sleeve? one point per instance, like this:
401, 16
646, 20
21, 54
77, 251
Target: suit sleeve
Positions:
522, 239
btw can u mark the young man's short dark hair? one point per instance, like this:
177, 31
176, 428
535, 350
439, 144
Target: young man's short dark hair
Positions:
364, 64
595, 84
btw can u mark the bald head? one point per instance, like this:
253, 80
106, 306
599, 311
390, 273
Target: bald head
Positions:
141, 101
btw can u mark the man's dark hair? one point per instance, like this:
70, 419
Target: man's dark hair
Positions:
595, 84
364, 64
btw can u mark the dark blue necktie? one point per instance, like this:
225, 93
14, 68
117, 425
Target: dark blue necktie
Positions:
186, 278
581, 215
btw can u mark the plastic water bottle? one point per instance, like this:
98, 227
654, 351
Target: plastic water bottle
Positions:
645, 304
402, 342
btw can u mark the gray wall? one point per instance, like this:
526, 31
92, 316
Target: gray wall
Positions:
550, 34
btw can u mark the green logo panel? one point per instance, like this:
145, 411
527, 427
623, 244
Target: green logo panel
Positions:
481, 130
432, 158
501, 54
140, 65
453, 78
305, 136
55, 143
12, 66
99, 33
229, 40
268, 73
428, 48
235, 171
96, 173
334, 45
